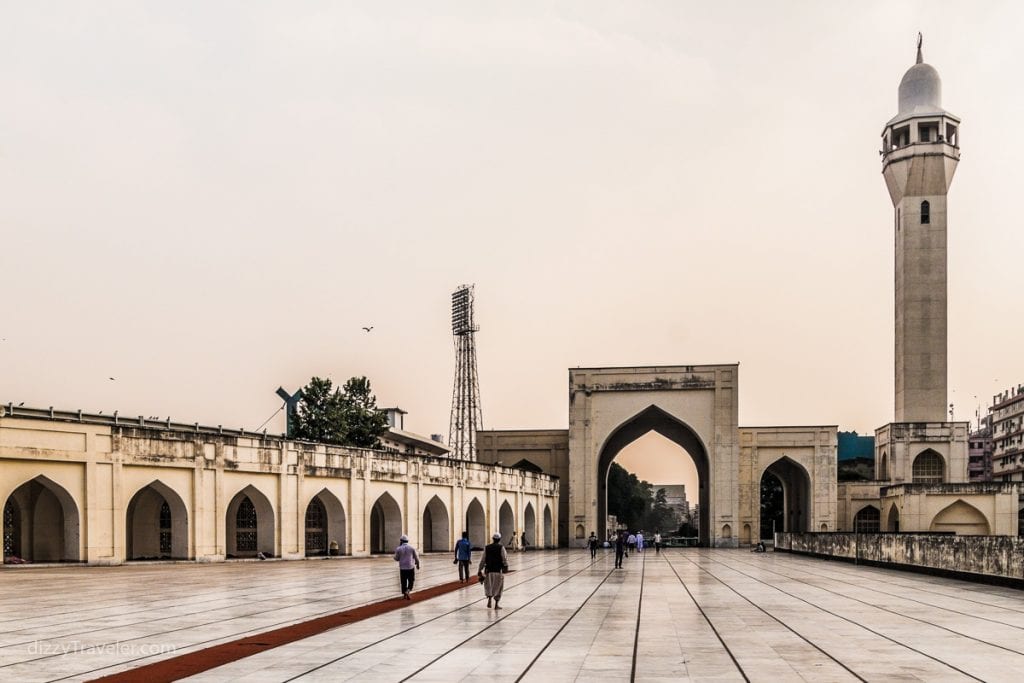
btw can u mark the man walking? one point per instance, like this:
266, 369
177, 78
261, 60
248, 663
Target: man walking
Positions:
408, 562
592, 544
657, 543
620, 549
631, 542
640, 541
492, 570
463, 556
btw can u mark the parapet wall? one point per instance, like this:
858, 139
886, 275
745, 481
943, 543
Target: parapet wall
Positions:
987, 558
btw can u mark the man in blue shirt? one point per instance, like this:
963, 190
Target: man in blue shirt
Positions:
463, 555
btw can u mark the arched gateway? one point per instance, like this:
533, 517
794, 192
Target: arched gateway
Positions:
693, 406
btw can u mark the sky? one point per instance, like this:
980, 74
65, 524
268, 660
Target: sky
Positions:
207, 200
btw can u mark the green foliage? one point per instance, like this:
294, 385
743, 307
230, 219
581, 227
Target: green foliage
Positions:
348, 416
364, 421
772, 505
856, 469
635, 504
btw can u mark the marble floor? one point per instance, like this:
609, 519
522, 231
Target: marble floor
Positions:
686, 614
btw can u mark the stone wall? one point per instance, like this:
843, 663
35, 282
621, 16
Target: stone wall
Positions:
999, 557
95, 486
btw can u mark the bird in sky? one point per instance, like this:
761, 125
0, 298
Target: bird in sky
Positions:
21, 404
368, 328
112, 379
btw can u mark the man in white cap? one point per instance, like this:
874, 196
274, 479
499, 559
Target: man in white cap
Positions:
408, 562
492, 570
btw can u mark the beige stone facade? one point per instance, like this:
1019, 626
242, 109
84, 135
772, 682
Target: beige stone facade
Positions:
84, 488
967, 509
804, 460
543, 449
696, 408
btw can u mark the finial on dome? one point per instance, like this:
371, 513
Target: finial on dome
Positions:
920, 39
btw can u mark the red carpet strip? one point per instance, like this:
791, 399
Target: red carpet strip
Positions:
196, 662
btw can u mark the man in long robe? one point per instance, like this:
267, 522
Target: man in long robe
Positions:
493, 566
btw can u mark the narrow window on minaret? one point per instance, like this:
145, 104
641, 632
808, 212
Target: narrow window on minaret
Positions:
926, 216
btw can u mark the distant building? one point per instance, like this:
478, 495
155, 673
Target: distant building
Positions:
1007, 416
979, 452
398, 440
852, 445
675, 496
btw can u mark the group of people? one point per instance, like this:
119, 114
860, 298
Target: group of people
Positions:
491, 571
624, 543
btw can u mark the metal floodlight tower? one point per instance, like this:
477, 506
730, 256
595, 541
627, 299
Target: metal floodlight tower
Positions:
467, 416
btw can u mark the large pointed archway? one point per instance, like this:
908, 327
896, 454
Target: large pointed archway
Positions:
156, 524
530, 525
548, 528
436, 529
476, 524
41, 523
324, 524
657, 420
250, 524
795, 484
506, 522
385, 524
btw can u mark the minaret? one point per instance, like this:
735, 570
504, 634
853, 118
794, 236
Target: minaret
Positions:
920, 152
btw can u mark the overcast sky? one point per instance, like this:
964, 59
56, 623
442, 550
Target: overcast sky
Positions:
206, 200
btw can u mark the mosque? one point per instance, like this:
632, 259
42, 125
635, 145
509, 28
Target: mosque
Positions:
106, 489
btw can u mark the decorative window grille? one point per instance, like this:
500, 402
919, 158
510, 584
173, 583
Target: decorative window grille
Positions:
316, 528
867, 521
245, 527
165, 529
12, 529
928, 468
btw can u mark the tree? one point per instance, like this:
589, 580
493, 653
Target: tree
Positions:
772, 505
629, 499
364, 422
318, 416
348, 416
661, 517
636, 505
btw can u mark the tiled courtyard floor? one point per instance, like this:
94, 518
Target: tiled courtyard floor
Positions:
690, 614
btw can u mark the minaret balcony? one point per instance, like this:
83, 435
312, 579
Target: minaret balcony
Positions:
939, 148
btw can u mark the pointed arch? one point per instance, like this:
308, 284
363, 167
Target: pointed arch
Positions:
476, 524
530, 525
962, 518
796, 493
549, 537
156, 524
385, 524
506, 522
436, 528
250, 524
47, 521
929, 468
672, 428
883, 468
868, 520
325, 523
892, 522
